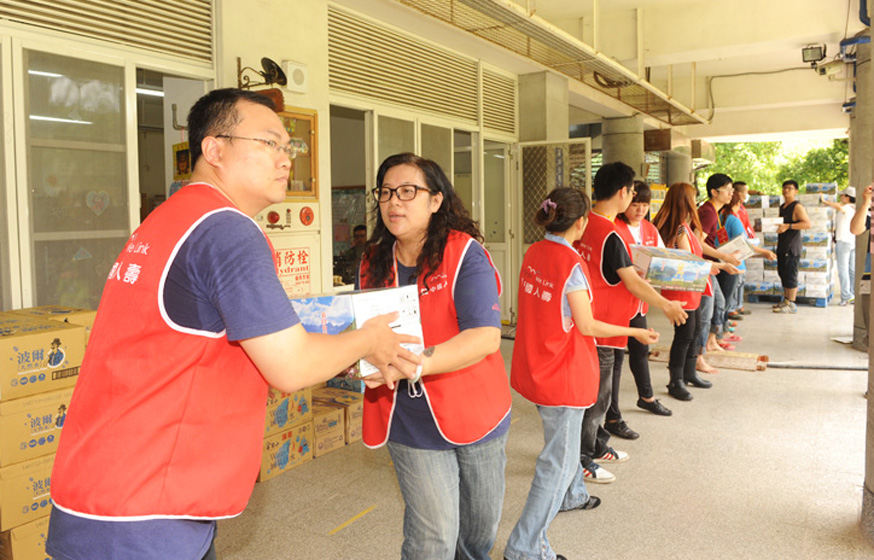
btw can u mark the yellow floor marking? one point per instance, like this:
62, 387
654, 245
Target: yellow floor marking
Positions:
353, 520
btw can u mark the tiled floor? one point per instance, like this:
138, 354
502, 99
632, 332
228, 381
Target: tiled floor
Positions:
763, 465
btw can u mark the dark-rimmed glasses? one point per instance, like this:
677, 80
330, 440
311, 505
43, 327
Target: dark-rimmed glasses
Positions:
404, 193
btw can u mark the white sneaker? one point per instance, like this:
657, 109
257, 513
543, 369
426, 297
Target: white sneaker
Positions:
612, 456
594, 472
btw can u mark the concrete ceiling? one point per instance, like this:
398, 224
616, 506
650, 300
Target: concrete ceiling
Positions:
738, 62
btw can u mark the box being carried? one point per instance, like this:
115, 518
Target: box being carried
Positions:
740, 245
769, 225
671, 269
337, 313
38, 356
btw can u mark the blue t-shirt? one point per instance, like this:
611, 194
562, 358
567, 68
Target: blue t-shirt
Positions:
734, 227
476, 305
577, 280
222, 279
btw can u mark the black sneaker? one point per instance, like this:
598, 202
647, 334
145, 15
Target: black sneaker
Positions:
621, 430
655, 407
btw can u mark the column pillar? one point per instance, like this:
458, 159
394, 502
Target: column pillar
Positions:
543, 107
860, 176
679, 168
622, 140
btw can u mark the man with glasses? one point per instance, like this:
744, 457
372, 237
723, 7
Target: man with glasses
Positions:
617, 291
165, 428
789, 246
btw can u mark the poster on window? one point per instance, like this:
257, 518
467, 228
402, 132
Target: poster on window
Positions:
294, 270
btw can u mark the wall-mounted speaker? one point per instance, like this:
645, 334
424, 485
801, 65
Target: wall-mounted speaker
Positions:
297, 75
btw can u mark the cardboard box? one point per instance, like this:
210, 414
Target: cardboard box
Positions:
771, 212
337, 313
769, 225
350, 384
758, 287
817, 278
30, 427
25, 489
739, 244
25, 542
352, 405
814, 265
38, 356
755, 213
330, 442
285, 410
757, 275
774, 201
819, 291
756, 201
815, 252
828, 188
671, 269
73, 315
329, 428
816, 239
286, 450
770, 276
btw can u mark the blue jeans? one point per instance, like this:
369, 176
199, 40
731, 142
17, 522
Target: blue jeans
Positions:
557, 486
717, 320
453, 499
704, 328
845, 251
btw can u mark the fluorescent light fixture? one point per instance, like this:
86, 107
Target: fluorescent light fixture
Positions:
54, 119
152, 92
46, 74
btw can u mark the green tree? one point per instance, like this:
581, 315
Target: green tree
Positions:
755, 163
820, 165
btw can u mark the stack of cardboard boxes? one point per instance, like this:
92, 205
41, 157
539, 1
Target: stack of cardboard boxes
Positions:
41, 351
816, 278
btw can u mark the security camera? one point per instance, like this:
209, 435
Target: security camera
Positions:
830, 68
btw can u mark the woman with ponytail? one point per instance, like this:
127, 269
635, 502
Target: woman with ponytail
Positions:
555, 366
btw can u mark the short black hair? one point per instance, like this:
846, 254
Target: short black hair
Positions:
716, 181
611, 178
216, 113
792, 182
359, 227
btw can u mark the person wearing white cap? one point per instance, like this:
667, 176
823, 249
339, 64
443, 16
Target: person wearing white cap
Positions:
845, 242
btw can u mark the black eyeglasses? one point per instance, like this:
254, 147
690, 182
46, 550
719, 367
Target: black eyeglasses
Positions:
404, 192
290, 151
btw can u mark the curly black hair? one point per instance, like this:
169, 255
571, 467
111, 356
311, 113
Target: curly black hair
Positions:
452, 215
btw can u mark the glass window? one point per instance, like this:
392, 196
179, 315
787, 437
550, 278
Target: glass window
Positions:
396, 136
77, 181
463, 177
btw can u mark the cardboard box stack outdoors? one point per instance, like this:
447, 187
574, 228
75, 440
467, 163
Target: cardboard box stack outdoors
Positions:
41, 352
815, 277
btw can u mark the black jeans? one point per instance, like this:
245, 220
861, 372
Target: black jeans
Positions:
638, 361
593, 438
685, 347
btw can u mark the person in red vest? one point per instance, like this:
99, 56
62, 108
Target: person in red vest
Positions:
446, 429
555, 366
635, 229
613, 279
165, 429
678, 223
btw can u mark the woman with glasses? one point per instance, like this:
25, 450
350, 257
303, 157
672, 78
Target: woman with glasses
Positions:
446, 429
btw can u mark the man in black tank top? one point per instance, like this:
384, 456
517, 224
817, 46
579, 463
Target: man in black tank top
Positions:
789, 245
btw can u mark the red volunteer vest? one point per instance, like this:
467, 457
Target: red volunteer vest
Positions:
692, 299
466, 404
551, 366
165, 421
622, 305
744, 217
649, 237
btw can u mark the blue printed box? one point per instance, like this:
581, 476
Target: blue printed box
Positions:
828, 188
30, 427
337, 313
813, 265
758, 287
286, 450
25, 491
816, 239
671, 269
285, 410
38, 356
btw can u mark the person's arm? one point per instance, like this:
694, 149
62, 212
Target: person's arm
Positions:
831, 204
684, 244
857, 223
581, 310
292, 358
802, 220
764, 253
729, 258
642, 290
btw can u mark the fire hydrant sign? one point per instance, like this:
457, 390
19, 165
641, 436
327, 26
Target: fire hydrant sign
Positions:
294, 270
